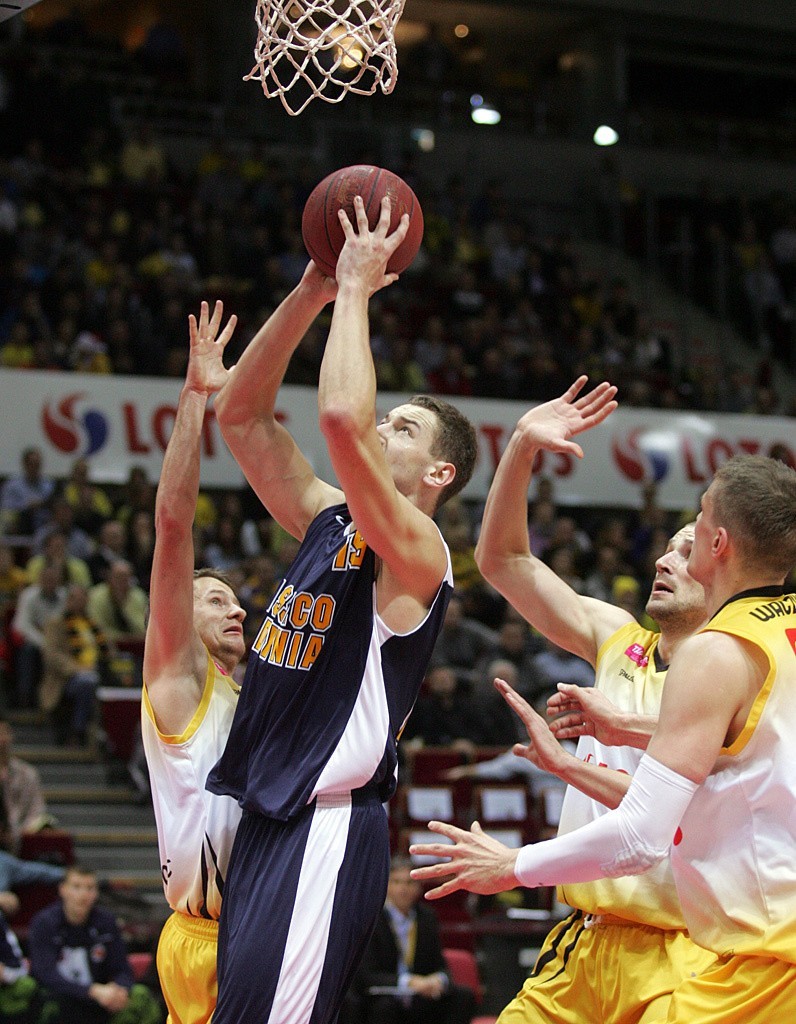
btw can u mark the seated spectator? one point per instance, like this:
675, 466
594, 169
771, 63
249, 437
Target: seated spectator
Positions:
143, 159
443, 715
500, 726
462, 640
256, 593
22, 807
76, 656
90, 504
554, 665
466, 575
21, 1000
78, 543
78, 956
225, 551
141, 546
562, 562
627, 594
119, 606
138, 493
16, 873
111, 547
25, 498
56, 553
599, 582
13, 579
518, 645
405, 954
38, 603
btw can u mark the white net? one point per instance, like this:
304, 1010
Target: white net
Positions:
324, 49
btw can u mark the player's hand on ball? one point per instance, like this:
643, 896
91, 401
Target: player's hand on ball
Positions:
365, 254
477, 862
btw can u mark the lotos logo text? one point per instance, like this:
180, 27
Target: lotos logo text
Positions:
639, 458
636, 653
74, 429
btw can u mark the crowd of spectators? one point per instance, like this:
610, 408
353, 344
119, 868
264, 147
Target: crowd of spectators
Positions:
74, 583
106, 244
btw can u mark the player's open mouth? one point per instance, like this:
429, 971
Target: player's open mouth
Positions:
659, 587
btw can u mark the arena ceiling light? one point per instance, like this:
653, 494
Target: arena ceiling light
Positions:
605, 135
483, 112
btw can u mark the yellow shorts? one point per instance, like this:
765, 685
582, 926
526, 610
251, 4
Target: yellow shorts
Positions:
187, 968
588, 970
737, 990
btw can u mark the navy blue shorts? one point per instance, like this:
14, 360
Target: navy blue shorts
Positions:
300, 902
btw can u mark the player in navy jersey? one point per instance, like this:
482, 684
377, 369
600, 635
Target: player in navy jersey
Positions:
335, 668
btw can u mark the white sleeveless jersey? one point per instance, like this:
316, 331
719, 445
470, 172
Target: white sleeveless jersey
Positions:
735, 852
627, 674
196, 828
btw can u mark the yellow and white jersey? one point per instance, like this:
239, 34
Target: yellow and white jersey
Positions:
196, 828
627, 673
733, 856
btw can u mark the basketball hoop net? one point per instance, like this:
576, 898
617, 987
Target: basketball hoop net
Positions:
326, 48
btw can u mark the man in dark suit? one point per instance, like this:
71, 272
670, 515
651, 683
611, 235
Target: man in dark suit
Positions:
403, 977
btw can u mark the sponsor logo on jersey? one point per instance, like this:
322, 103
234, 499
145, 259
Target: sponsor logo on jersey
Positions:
293, 632
637, 654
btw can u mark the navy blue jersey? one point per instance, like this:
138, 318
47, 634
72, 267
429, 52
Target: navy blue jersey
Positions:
328, 685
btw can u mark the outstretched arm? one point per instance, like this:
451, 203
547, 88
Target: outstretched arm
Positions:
711, 686
577, 624
174, 659
273, 464
603, 784
404, 537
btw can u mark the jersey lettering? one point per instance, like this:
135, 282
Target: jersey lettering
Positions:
773, 609
281, 640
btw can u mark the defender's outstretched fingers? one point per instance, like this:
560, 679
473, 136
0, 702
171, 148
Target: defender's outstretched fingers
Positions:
575, 389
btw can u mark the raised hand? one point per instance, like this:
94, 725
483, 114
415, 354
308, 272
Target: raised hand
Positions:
478, 863
553, 424
206, 371
544, 750
364, 255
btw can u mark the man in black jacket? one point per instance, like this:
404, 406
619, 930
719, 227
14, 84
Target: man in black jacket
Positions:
403, 977
77, 954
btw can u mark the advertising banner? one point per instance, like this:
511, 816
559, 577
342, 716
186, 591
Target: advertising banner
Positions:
119, 422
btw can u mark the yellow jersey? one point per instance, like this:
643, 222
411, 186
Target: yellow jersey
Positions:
629, 673
733, 856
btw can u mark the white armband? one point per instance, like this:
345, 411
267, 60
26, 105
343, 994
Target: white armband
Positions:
626, 841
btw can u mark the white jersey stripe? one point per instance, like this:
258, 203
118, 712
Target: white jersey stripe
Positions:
307, 939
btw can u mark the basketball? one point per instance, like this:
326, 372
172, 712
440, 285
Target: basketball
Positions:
320, 225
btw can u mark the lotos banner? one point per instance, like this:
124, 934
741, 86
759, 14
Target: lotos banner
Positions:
120, 422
